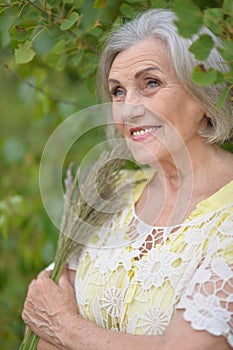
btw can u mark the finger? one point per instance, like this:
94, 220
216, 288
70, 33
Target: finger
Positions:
31, 283
64, 279
44, 273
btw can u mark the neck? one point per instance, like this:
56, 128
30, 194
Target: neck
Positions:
190, 162
185, 178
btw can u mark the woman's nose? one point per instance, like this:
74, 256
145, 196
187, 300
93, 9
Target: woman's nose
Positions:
132, 106
132, 111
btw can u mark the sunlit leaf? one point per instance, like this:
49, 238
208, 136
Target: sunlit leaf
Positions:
100, 4
59, 47
24, 53
204, 77
68, 23
189, 17
222, 98
228, 7
212, 18
202, 47
61, 63
227, 51
127, 10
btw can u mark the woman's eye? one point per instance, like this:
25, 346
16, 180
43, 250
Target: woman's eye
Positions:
152, 83
117, 92
149, 86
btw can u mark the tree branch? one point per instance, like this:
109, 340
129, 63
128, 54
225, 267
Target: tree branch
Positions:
37, 88
39, 8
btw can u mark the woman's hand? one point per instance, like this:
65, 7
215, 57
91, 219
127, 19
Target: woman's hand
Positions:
44, 345
49, 306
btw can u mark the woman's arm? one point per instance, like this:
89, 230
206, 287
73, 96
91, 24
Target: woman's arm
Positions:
51, 312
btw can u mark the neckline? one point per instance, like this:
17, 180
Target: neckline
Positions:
203, 208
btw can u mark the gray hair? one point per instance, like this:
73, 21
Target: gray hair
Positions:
159, 24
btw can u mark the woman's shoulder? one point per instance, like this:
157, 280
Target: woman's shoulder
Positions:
219, 203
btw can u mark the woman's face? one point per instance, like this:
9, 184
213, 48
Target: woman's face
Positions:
153, 112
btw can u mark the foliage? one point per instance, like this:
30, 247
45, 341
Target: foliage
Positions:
220, 22
48, 63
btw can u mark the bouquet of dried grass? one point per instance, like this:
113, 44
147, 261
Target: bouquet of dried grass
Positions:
86, 209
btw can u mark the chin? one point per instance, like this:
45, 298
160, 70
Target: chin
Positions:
148, 156
143, 156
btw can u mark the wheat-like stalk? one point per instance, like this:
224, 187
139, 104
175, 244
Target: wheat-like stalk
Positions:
86, 208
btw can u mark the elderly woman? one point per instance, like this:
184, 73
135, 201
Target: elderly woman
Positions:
172, 287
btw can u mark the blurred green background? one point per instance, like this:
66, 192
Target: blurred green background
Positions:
48, 60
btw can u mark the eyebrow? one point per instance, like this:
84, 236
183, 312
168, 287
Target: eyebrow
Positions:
141, 72
138, 74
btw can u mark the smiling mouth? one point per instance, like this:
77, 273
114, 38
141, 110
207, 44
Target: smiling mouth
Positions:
143, 131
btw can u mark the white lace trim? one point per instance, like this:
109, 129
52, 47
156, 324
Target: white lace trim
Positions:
136, 287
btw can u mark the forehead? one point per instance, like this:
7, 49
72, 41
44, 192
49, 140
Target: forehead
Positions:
149, 52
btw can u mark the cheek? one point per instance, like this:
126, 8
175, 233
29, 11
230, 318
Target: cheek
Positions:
117, 117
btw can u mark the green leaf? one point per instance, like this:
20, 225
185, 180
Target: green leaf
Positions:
96, 30
203, 77
13, 150
76, 59
4, 226
77, 3
98, 4
22, 27
220, 78
24, 53
229, 76
59, 48
69, 22
54, 57
227, 51
89, 65
228, 7
127, 10
189, 17
159, 3
222, 98
61, 63
202, 46
212, 19
18, 33
229, 22
228, 146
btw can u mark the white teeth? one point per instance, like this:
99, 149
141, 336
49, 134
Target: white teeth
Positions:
143, 131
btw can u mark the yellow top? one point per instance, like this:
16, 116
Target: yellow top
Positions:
125, 284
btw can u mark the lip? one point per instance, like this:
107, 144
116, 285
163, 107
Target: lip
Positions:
138, 133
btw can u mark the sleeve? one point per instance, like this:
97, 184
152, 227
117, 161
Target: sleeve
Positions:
208, 299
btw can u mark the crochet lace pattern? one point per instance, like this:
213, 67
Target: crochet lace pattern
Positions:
142, 273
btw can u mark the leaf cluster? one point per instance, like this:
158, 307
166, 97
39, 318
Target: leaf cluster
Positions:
49, 55
219, 20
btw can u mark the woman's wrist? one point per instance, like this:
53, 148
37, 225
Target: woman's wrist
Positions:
70, 333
